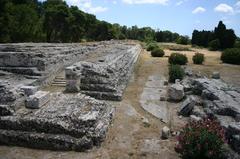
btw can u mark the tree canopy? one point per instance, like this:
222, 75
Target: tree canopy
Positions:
226, 37
55, 21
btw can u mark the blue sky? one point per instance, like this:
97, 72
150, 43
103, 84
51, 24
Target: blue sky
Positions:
182, 16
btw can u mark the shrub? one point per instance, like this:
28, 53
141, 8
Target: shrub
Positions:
184, 40
177, 59
152, 46
201, 140
237, 44
157, 52
231, 56
198, 58
175, 72
214, 45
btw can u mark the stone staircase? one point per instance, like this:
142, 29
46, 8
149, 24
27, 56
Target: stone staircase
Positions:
59, 81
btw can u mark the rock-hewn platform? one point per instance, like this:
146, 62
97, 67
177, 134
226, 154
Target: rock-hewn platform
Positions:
68, 122
61, 121
105, 77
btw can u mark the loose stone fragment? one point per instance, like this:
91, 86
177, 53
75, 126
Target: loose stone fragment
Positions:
176, 92
165, 132
29, 90
37, 100
187, 106
216, 75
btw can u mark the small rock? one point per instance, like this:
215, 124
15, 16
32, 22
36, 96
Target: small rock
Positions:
198, 112
176, 92
177, 80
188, 72
198, 75
175, 133
165, 132
165, 82
195, 118
163, 98
145, 122
216, 75
187, 106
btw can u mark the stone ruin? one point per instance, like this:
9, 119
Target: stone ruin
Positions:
69, 120
204, 97
104, 78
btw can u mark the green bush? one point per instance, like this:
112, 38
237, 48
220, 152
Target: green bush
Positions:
157, 52
177, 59
231, 56
175, 72
183, 40
214, 45
198, 58
152, 46
201, 140
237, 44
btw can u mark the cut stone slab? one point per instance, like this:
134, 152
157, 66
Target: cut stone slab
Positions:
187, 106
29, 90
176, 92
154, 88
37, 100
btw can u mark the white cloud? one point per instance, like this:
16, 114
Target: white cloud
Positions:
179, 3
238, 4
199, 10
87, 6
224, 8
114, 2
163, 2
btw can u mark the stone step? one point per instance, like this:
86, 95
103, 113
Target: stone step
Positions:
60, 78
32, 71
59, 81
44, 140
59, 85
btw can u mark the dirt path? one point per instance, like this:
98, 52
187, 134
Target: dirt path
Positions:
134, 132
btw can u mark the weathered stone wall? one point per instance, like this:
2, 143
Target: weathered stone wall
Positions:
106, 77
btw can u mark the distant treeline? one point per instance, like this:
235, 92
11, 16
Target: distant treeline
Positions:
55, 21
220, 38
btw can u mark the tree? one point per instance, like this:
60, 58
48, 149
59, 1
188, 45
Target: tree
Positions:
226, 37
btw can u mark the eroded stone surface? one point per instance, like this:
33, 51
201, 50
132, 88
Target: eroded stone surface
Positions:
154, 88
67, 122
105, 77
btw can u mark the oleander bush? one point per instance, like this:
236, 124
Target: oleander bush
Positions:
231, 56
201, 140
175, 72
177, 59
157, 52
198, 58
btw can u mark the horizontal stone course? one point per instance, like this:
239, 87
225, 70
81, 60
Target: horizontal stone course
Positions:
77, 120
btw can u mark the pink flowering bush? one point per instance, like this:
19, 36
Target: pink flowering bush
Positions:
201, 140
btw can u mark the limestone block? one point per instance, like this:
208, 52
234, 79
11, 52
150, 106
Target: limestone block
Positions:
37, 100
176, 92
216, 75
73, 75
165, 132
187, 106
29, 90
